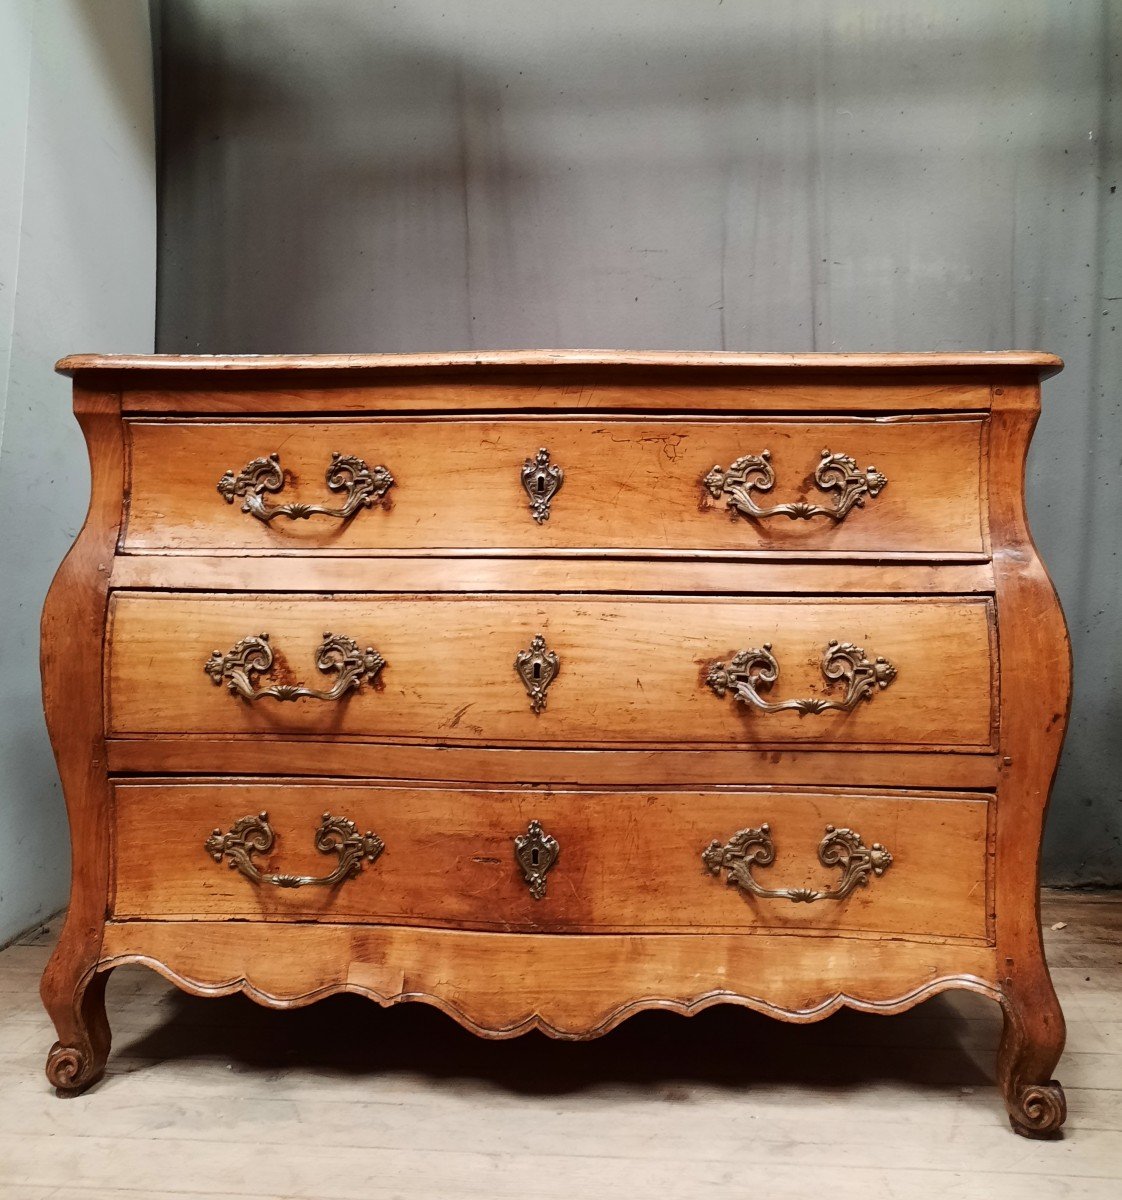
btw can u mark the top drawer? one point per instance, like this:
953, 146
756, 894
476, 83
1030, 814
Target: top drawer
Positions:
911, 485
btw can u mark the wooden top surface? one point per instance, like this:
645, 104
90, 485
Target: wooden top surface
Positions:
1041, 363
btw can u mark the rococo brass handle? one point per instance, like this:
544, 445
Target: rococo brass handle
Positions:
839, 848
749, 670
254, 655
834, 472
361, 486
335, 835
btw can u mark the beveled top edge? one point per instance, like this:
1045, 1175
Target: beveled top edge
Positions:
1045, 364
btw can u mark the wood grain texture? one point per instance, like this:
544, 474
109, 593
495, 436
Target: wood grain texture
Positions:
632, 670
73, 632
633, 756
243, 572
1034, 718
576, 986
629, 861
469, 360
608, 768
545, 390
633, 485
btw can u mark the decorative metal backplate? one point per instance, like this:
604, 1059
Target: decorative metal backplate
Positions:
835, 472
749, 670
537, 668
536, 853
361, 486
542, 482
335, 835
254, 655
839, 848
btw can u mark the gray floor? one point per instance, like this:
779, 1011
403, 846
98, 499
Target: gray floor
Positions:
342, 1099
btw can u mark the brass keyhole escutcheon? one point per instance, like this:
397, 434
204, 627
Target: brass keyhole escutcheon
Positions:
541, 480
537, 667
535, 852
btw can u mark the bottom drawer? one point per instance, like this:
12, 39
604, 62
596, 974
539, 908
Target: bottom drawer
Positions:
605, 861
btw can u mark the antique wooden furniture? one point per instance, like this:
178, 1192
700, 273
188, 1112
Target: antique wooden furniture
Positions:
550, 687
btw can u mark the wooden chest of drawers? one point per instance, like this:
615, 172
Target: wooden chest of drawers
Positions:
550, 687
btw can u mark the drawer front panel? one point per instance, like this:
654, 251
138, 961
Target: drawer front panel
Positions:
625, 860
628, 671
628, 485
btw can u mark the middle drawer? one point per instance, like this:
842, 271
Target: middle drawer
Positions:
595, 671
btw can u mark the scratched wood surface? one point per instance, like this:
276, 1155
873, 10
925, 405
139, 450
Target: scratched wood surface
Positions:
633, 485
225, 1099
966, 710
627, 861
631, 670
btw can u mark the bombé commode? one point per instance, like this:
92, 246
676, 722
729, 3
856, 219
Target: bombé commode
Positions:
549, 687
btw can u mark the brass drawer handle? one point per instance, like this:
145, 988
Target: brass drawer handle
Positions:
542, 482
750, 670
835, 472
335, 835
361, 486
536, 852
839, 848
254, 655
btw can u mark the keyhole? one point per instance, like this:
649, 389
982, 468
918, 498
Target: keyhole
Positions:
535, 855
541, 484
537, 671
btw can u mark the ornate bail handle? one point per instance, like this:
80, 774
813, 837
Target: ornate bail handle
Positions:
835, 472
361, 486
536, 852
839, 848
254, 655
542, 482
335, 835
749, 670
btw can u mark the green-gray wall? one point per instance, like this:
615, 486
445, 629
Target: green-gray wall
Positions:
824, 175
77, 272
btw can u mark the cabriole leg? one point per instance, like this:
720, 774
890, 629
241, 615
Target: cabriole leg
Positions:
1031, 1044
78, 1058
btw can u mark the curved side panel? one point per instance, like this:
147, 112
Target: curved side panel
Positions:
573, 986
73, 631
1035, 664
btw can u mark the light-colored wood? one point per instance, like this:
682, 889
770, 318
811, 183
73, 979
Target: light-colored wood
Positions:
609, 768
73, 634
632, 670
638, 616
329, 573
1033, 720
634, 485
546, 390
571, 986
466, 360
628, 861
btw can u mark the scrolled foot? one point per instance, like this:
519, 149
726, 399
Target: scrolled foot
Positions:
71, 1070
1039, 1110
